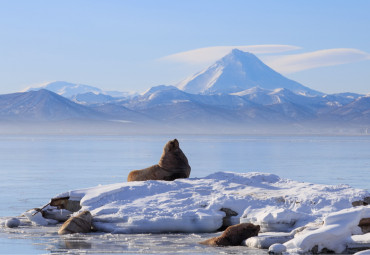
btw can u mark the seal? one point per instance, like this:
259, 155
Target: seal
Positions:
172, 165
77, 224
234, 235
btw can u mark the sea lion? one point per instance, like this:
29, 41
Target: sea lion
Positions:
234, 235
77, 224
172, 165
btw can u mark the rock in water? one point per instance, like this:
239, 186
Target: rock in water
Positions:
12, 223
234, 235
77, 224
172, 165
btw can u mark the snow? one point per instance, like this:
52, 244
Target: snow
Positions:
334, 234
194, 205
69, 90
36, 218
358, 241
302, 215
365, 252
277, 248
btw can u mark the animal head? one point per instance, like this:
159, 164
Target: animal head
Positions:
237, 233
86, 215
173, 159
172, 146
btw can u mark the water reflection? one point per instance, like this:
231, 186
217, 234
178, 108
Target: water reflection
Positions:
75, 243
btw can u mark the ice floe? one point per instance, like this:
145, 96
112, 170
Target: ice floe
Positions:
307, 216
194, 205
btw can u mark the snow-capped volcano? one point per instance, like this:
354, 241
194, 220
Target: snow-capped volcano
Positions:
239, 71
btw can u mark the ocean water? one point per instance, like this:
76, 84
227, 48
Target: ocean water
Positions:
36, 168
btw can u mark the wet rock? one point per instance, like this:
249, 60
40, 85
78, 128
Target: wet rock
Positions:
234, 235
316, 250
77, 224
227, 221
12, 223
364, 224
364, 202
66, 203
359, 203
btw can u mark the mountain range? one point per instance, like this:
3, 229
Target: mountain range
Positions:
239, 93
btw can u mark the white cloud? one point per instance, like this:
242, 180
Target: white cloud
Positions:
211, 54
329, 57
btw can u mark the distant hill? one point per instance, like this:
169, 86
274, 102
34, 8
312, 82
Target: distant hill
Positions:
357, 111
43, 105
47, 106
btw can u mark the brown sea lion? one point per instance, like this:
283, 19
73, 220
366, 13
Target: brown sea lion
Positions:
77, 224
234, 235
172, 165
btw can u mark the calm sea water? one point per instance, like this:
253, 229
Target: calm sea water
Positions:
35, 168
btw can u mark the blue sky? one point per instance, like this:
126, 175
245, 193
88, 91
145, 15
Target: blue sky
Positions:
133, 45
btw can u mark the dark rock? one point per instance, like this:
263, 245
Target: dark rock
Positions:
65, 203
365, 201
359, 203
364, 224
315, 250
227, 221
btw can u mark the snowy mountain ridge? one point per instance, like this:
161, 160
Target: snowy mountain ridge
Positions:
239, 91
72, 90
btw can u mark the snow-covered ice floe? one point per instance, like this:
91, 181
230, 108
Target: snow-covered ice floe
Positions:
204, 205
194, 205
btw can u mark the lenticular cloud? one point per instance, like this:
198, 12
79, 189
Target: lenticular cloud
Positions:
283, 63
329, 57
211, 54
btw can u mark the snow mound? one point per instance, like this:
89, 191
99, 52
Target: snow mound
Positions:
194, 205
339, 229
